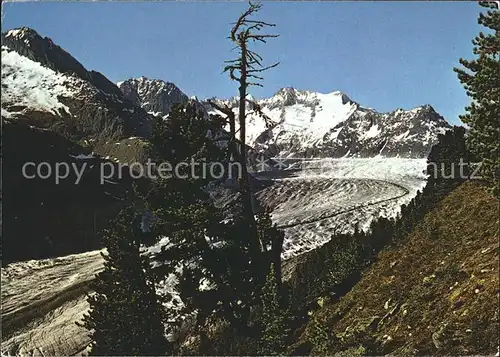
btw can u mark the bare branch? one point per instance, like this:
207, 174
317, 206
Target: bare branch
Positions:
260, 38
231, 70
255, 26
254, 76
260, 22
254, 58
254, 54
263, 69
241, 20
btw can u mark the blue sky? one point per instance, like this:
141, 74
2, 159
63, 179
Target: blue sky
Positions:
384, 55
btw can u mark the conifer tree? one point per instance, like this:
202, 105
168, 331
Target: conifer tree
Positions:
264, 242
224, 254
320, 337
481, 80
274, 319
443, 166
125, 317
272, 237
208, 247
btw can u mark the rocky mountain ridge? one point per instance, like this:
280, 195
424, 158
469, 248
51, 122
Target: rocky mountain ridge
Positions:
311, 124
155, 96
43, 86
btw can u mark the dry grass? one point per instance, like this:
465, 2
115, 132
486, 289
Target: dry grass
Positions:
435, 294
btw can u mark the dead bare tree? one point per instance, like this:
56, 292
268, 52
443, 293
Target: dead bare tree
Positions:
246, 70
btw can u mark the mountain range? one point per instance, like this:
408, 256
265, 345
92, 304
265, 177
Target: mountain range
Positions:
54, 109
45, 87
311, 124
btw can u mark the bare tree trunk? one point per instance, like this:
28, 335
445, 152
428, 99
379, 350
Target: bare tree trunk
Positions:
246, 69
232, 140
245, 188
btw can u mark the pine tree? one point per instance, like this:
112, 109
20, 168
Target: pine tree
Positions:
443, 166
320, 337
186, 133
206, 247
274, 319
125, 317
231, 254
481, 79
209, 247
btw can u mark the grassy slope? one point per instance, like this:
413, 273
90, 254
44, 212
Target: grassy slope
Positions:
437, 293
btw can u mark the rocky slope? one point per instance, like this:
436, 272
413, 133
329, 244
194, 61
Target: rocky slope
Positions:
436, 293
153, 95
310, 124
55, 111
45, 87
42, 217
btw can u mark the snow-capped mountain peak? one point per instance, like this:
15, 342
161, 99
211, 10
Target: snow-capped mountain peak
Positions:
22, 33
290, 96
305, 123
299, 123
47, 87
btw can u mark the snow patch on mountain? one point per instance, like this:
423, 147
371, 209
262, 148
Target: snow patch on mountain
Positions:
28, 83
15, 33
372, 132
292, 114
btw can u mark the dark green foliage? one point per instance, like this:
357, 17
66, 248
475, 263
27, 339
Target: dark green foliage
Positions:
216, 252
320, 337
327, 269
481, 80
210, 249
274, 319
125, 317
272, 240
449, 164
186, 133
225, 342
